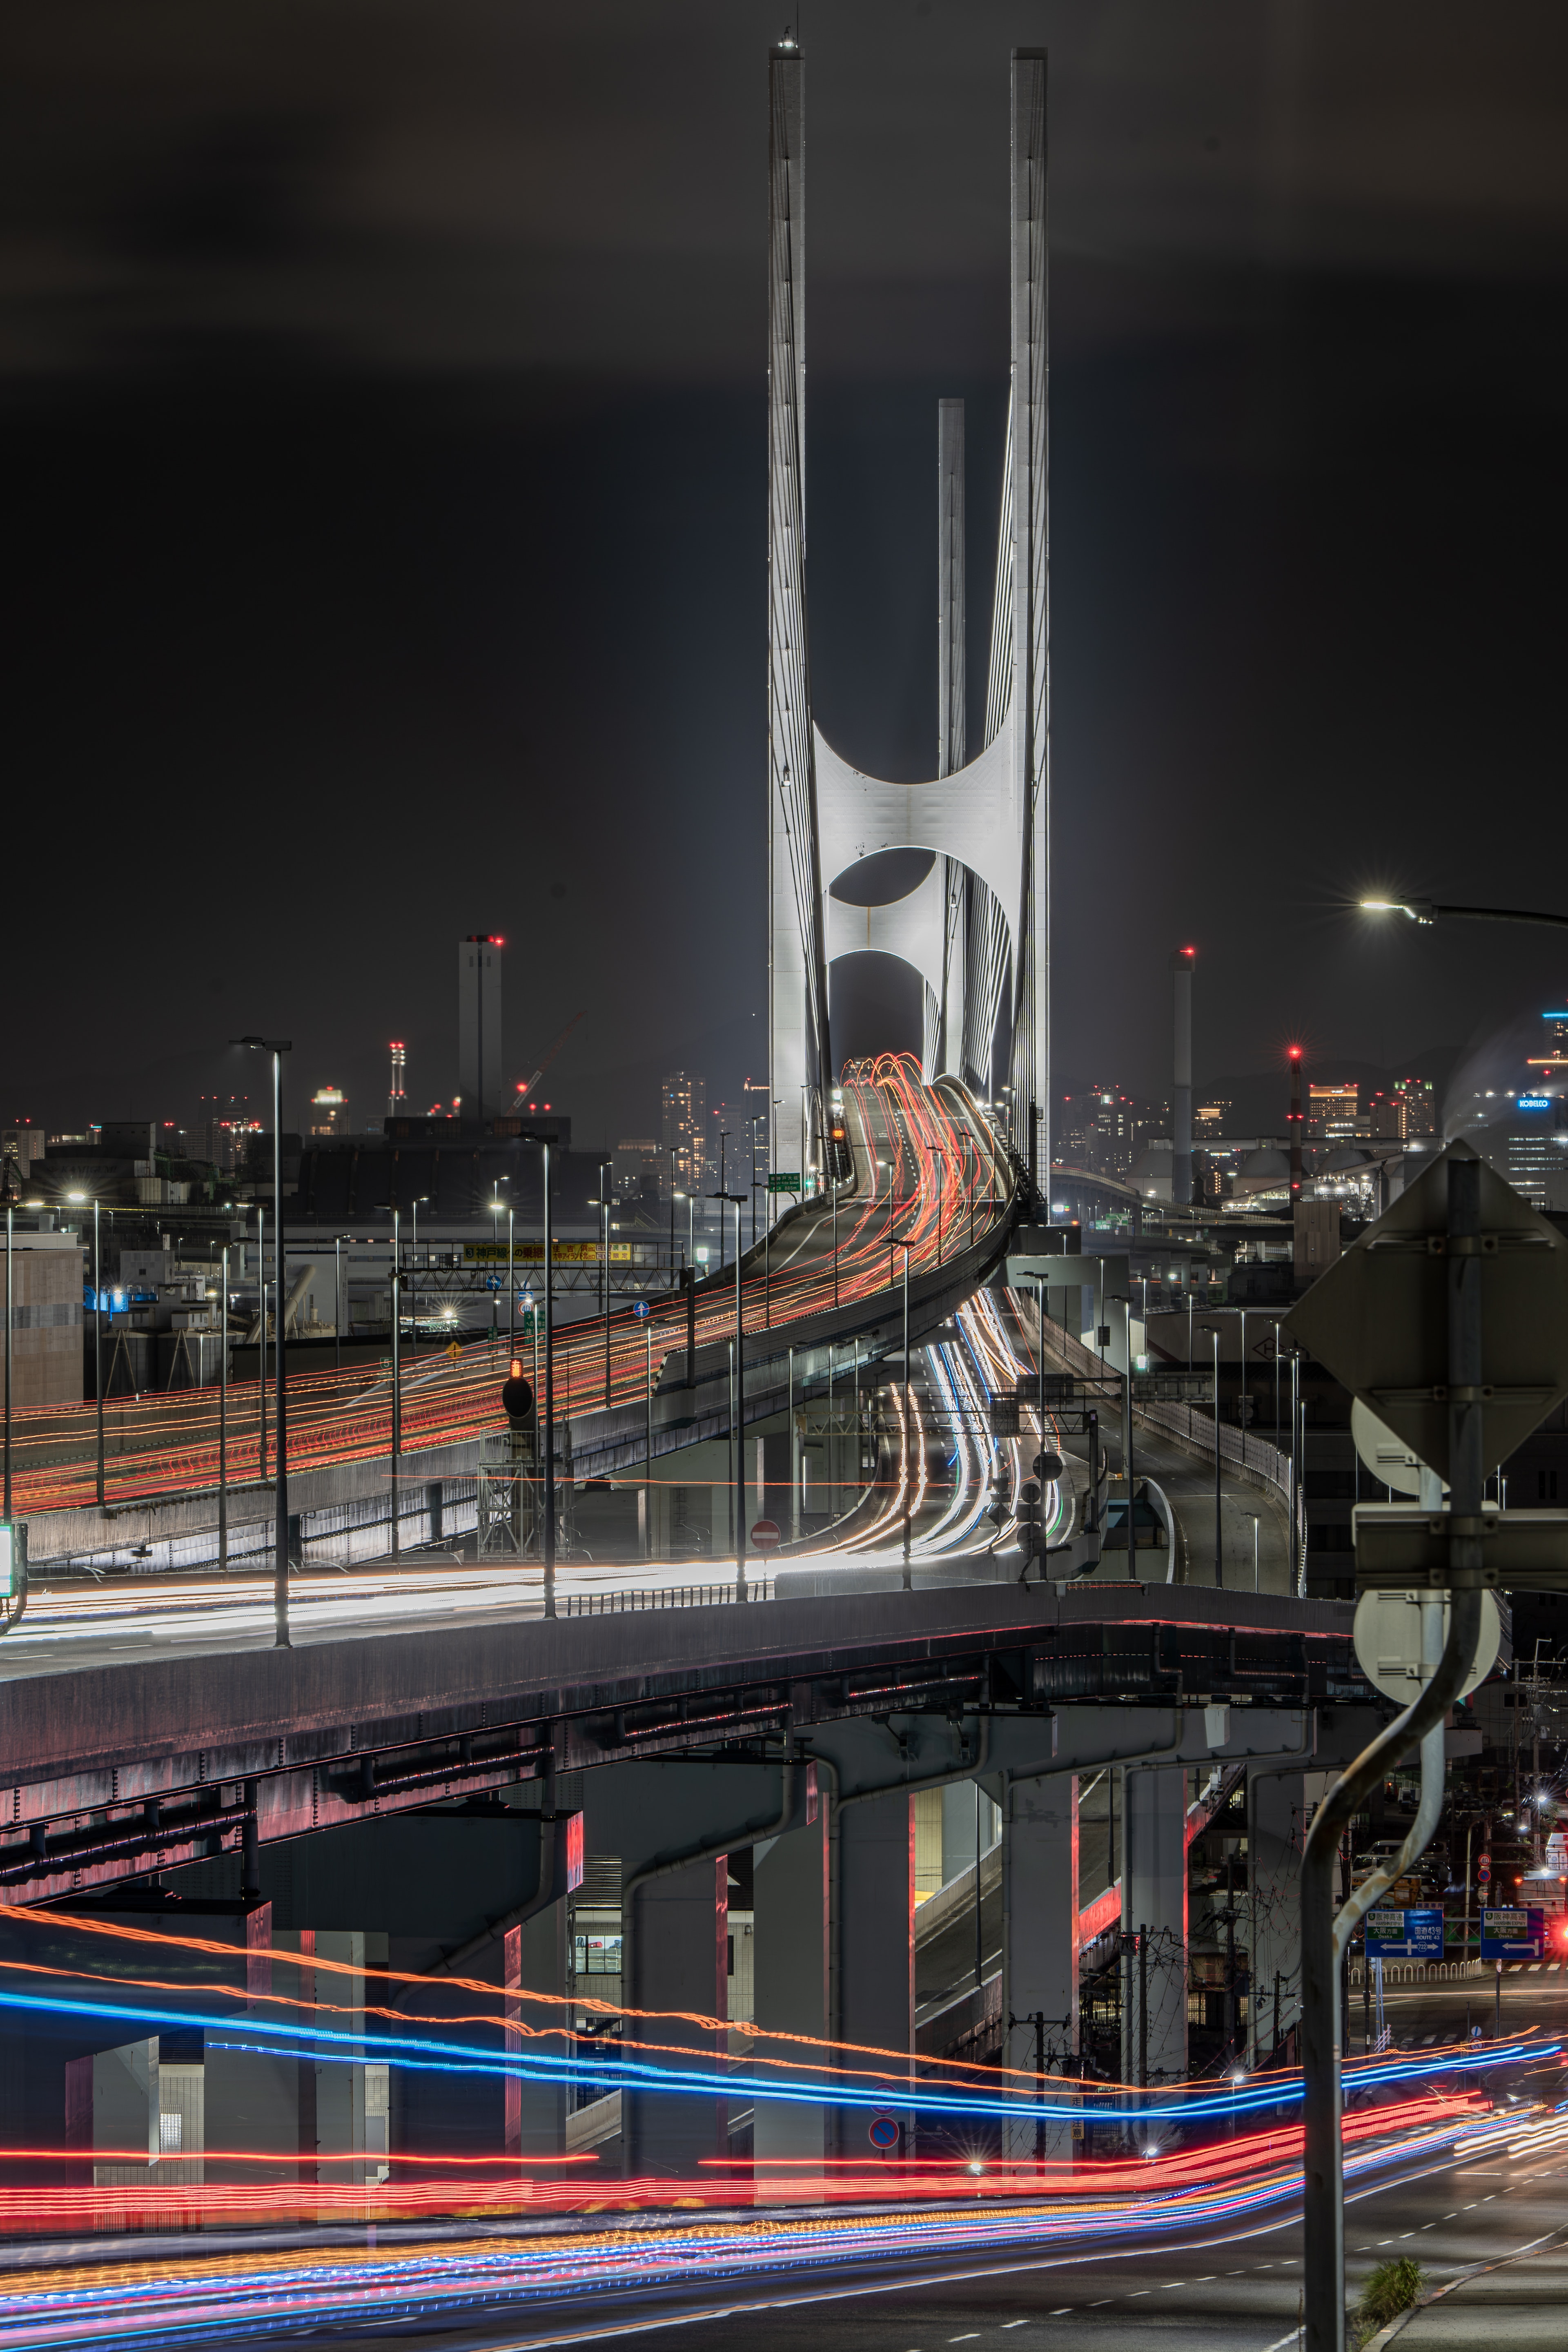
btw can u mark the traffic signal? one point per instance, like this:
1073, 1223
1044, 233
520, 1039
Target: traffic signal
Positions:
516, 1395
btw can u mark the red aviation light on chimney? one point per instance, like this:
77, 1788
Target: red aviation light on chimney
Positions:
1295, 1053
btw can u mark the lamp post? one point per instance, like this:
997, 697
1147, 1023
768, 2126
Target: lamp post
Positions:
738, 1393
261, 1339
1218, 1516
1297, 1448
752, 1123
674, 1196
397, 1363
1127, 1437
604, 1169
908, 1449
648, 1439
278, 1047
222, 1422
98, 1344
337, 1298
511, 1278
9, 1318
548, 1544
422, 1202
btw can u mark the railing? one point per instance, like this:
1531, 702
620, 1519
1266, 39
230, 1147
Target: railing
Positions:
1196, 1431
666, 1596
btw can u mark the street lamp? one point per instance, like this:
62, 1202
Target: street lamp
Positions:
547, 1545
277, 1047
908, 1453
1212, 1330
10, 1530
1430, 910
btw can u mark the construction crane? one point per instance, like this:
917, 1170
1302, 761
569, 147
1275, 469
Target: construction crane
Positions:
525, 1087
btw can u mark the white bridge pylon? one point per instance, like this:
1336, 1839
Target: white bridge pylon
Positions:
977, 928
970, 821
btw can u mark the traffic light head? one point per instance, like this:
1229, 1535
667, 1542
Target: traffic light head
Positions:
516, 1395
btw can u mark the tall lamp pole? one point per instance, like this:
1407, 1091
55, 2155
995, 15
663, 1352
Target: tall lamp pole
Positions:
674, 1196
909, 1449
10, 1530
548, 1546
738, 1393
98, 1344
1218, 1523
278, 1047
222, 1422
396, 1362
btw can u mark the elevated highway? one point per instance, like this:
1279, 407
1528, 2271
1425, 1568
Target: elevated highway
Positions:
918, 1165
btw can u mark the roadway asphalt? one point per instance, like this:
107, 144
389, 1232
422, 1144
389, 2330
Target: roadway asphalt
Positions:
1234, 2289
1187, 1482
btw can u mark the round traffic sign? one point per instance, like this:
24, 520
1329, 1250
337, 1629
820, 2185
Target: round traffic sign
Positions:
641, 1310
766, 1534
883, 2132
1387, 1636
1047, 1465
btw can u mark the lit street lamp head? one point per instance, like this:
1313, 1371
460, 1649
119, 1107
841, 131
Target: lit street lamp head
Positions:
1418, 910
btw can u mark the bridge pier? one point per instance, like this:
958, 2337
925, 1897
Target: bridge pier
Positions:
793, 1995
876, 1943
1276, 1805
1039, 1940
1154, 1897
676, 1932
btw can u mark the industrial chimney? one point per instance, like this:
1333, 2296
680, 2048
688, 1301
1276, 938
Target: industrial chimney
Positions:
1295, 1124
1182, 1099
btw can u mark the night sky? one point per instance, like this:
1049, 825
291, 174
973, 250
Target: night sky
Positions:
385, 474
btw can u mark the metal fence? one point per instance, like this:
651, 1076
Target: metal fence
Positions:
666, 1596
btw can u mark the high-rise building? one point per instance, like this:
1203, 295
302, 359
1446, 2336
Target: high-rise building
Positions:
1530, 1148
1333, 1112
329, 1111
1209, 1118
683, 1128
394, 1099
635, 1161
479, 1029
1553, 1059
1419, 1100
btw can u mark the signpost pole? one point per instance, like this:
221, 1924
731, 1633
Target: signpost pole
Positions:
1461, 1389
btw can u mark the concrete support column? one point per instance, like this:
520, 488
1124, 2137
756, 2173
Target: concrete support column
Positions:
960, 1829
1276, 1817
1039, 1938
534, 1960
676, 1928
876, 1938
792, 1994
1154, 1892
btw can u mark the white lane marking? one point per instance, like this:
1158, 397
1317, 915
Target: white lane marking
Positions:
1013, 2323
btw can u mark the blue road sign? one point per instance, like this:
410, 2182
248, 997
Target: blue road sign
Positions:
1512, 1935
1405, 1934
641, 1310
